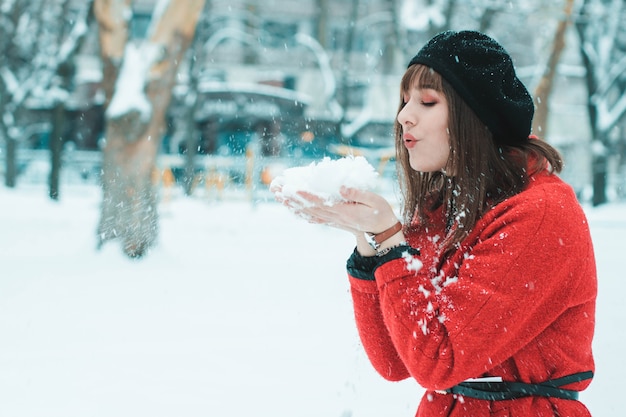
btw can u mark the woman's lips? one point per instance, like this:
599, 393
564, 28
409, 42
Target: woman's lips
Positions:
409, 140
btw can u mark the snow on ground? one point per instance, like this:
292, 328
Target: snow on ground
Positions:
241, 310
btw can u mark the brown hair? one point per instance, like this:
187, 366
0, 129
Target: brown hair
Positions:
483, 172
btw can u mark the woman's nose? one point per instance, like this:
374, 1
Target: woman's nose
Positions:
404, 117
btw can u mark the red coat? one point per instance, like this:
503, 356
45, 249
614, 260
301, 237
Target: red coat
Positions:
517, 300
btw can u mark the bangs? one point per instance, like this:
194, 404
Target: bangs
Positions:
421, 76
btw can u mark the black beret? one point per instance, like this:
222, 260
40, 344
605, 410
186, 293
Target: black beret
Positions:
482, 73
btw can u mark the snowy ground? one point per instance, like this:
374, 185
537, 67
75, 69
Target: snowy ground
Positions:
239, 311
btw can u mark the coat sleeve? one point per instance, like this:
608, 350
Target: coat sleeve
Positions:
512, 278
368, 316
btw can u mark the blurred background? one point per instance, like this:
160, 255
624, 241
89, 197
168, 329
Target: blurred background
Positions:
216, 96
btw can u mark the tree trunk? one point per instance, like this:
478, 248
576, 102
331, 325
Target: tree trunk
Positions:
190, 131
595, 70
56, 146
544, 88
600, 169
10, 166
113, 34
191, 151
346, 66
129, 199
129, 207
390, 52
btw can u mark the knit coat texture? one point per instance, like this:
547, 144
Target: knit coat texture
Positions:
516, 300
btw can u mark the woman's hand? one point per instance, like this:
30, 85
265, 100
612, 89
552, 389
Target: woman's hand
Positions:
362, 211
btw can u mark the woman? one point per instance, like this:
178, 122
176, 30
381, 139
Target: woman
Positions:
492, 276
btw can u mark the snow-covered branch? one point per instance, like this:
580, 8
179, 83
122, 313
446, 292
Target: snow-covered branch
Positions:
608, 117
79, 30
10, 81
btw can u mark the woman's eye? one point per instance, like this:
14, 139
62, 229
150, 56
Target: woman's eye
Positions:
428, 103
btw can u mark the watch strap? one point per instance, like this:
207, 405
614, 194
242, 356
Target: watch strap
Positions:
376, 239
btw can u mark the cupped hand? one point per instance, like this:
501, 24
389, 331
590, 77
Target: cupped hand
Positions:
360, 211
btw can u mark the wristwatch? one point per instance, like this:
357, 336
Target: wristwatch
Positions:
375, 240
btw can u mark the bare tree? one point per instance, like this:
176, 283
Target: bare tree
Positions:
138, 82
38, 44
544, 87
603, 51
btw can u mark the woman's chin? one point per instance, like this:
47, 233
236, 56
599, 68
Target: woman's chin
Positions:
422, 167
425, 166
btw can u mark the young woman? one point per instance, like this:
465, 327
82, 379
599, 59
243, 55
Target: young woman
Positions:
485, 293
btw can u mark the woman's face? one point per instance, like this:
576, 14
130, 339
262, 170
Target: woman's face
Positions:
424, 121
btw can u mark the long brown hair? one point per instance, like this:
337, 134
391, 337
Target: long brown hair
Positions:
481, 172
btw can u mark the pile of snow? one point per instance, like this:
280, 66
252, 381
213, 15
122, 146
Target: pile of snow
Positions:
325, 178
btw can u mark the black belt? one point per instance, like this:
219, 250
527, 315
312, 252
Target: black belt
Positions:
495, 391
